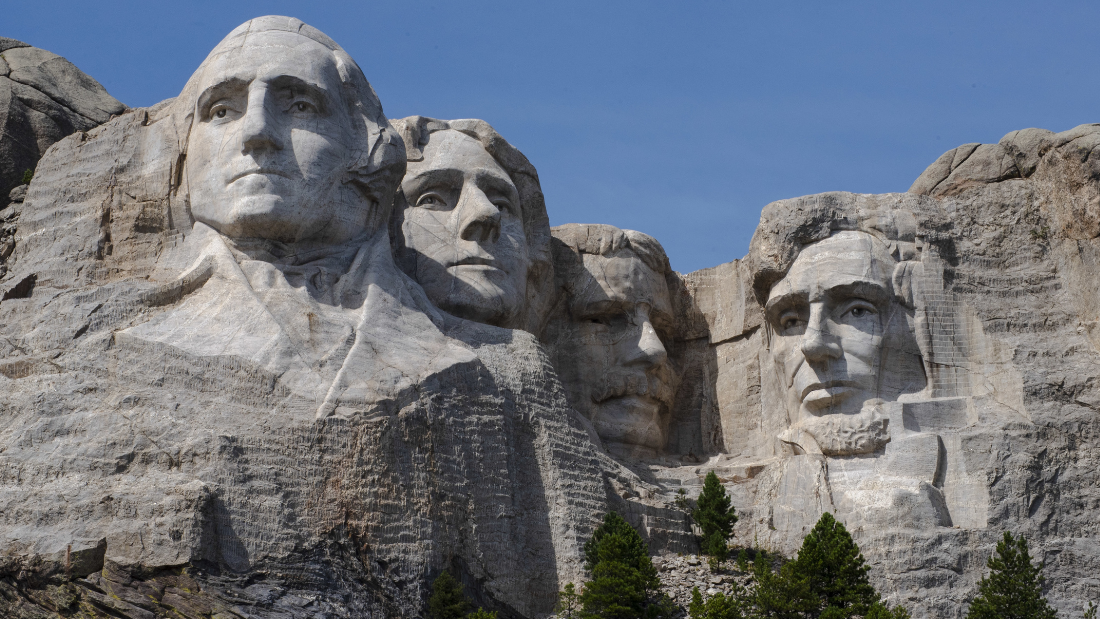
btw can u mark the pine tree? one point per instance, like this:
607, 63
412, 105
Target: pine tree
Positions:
715, 517
780, 595
481, 613
623, 576
835, 571
881, 611
717, 606
447, 600
569, 602
1014, 587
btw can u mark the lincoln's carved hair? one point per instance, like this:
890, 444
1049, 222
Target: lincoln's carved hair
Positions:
379, 164
788, 226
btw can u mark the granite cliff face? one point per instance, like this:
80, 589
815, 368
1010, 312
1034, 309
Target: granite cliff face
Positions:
216, 402
43, 98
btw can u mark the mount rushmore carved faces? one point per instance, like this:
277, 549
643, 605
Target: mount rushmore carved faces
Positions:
841, 339
471, 225
609, 340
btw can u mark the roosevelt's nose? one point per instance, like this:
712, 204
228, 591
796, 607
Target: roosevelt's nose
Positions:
258, 130
645, 346
478, 217
818, 343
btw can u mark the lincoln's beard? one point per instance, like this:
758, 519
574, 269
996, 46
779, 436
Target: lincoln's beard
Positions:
849, 435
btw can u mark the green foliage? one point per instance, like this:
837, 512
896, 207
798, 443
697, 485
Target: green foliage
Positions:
715, 517
569, 603
880, 611
1090, 612
682, 501
481, 613
717, 606
783, 594
27, 176
834, 570
1014, 587
447, 600
623, 577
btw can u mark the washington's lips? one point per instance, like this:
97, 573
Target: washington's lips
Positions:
261, 171
833, 388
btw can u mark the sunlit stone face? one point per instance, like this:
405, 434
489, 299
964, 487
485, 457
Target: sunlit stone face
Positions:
464, 228
613, 358
271, 142
829, 319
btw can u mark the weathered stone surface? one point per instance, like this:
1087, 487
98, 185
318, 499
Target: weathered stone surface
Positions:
210, 383
233, 382
43, 98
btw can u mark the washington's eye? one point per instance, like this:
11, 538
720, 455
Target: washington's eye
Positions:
220, 113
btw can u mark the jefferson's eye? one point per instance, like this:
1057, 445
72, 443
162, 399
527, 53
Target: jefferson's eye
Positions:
858, 311
430, 199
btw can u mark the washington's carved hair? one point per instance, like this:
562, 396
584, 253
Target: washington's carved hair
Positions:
378, 165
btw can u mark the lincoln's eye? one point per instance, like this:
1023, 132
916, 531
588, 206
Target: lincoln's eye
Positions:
301, 107
859, 312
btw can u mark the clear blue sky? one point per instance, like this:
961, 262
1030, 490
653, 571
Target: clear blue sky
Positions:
679, 119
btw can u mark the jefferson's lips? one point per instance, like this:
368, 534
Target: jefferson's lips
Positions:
832, 384
473, 260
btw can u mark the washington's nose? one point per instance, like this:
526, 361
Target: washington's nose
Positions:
257, 126
818, 344
478, 217
647, 349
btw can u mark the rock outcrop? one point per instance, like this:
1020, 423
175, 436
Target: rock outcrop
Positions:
43, 98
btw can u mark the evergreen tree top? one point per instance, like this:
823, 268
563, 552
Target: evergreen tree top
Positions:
835, 570
615, 540
447, 600
1014, 587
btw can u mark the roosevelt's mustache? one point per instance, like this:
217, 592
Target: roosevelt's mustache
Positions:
656, 384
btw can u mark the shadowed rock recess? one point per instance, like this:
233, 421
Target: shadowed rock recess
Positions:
264, 353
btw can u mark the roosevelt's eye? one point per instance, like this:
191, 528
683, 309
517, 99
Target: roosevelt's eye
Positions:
789, 323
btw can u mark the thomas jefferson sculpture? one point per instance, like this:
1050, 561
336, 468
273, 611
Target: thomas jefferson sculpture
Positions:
471, 225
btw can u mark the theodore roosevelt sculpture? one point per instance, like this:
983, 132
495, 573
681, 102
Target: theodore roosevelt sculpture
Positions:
609, 337
470, 224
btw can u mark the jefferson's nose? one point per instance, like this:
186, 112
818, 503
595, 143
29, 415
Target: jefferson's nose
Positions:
647, 349
257, 125
478, 217
818, 344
